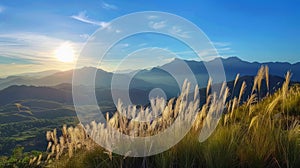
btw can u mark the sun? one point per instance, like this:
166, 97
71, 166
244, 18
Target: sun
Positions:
65, 53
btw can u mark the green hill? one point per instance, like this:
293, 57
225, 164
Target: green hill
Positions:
25, 122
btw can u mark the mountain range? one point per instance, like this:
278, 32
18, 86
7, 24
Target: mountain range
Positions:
232, 66
56, 86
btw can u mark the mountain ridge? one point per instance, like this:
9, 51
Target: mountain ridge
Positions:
232, 66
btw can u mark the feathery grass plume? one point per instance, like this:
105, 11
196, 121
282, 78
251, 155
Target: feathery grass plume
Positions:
64, 131
32, 160
254, 87
242, 90
267, 78
196, 93
49, 145
208, 87
48, 136
54, 137
285, 91
39, 159
57, 149
201, 115
252, 99
236, 79
62, 143
216, 106
260, 77
70, 150
272, 104
226, 119
52, 149
234, 84
233, 107
158, 105
285, 86
224, 93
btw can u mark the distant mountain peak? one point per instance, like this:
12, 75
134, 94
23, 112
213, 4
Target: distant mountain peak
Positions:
89, 67
234, 58
177, 59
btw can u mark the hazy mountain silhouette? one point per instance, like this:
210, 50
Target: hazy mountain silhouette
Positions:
157, 77
234, 65
39, 74
139, 94
15, 93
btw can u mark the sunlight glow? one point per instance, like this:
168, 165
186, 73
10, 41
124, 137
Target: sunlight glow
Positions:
65, 53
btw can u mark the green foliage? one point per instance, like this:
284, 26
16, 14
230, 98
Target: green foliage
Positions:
30, 134
18, 159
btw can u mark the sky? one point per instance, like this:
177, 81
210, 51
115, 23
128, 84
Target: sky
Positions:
253, 30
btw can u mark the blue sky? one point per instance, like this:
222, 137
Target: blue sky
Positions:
253, 30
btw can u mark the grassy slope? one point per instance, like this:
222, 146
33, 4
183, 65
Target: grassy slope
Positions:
264, 134
24, 126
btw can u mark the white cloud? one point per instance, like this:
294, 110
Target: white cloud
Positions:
27, 46
81, 16
223, 48
152, 17
30, 52
221, 44
157, 25
109, 6
30, 47
84, 36
179, 32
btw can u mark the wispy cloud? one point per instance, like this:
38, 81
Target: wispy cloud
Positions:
84, 36
28, 52
81, 16
27, 46
221, 44
151, 17
109, 6
30, 47
157, 25
179, 32
223, 48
